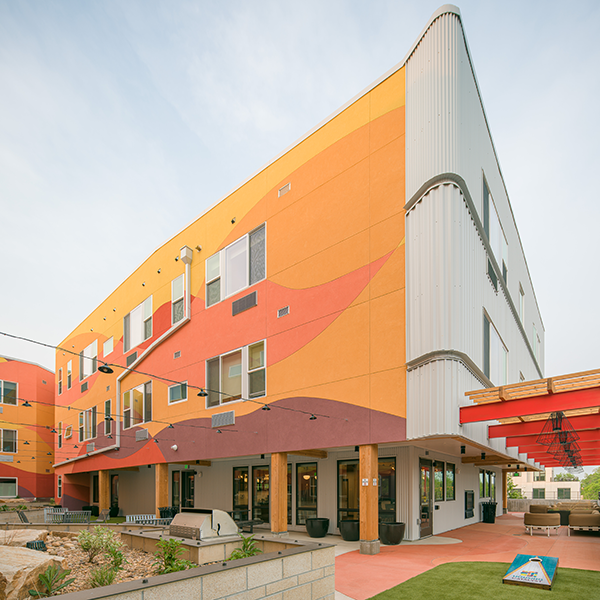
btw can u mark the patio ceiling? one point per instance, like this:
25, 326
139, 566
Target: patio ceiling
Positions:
524, 408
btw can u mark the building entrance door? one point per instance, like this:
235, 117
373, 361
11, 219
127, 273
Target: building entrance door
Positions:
426, 497
187, 489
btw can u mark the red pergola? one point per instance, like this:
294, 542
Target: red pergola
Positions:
524, 408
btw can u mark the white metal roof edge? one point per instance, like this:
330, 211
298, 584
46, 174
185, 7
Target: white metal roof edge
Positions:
11, 358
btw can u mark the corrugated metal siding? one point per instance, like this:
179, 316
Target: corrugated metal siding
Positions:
447, 133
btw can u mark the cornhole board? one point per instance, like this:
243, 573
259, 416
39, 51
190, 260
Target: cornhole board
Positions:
532, 571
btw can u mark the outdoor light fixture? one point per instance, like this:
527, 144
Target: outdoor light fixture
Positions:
49, 453
463, 449
355, 448
262, 457
170, 426
108, 418
26, 443
312, 418
483, 456
75, 446
109, 437
265, 407
219, 431
105, 369
155, 441
202, 393
26, 403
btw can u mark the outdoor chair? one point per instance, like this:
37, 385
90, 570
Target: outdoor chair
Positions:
545, 521
22, 516
104, 516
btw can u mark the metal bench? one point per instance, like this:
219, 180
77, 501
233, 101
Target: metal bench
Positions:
54, 514
146, 520
77, 516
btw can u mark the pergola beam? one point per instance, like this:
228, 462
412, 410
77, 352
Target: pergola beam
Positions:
578, 399
592, 435
579, 423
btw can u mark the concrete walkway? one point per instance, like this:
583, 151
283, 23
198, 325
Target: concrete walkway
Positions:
359, 576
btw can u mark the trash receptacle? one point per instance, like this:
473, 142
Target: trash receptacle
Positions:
489, 511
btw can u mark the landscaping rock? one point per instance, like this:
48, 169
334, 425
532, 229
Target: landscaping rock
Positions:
19, 570
20, 537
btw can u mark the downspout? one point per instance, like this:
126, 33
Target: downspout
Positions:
186, 255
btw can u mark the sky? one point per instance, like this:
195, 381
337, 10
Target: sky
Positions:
122, 121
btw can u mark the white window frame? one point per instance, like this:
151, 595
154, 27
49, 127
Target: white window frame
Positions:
2, 392
60, 381
88, 361
16, 480
69, 374
183, 386
108, 346
495, 234
220, 270
128, 412
16, 441
59, 489
245, 374
498, 355
59, 439
88, 424
138, 321
177, 298
68, 432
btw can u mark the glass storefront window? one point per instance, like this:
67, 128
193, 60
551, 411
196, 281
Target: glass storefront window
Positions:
387, 490
306, 492
348, 489
240, 493
260, 493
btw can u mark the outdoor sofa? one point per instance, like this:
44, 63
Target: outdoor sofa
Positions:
545, 521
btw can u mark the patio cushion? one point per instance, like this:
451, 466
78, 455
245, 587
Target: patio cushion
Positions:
538, 508
542, 519
580, 519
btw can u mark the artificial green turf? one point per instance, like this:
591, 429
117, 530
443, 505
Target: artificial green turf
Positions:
483, 580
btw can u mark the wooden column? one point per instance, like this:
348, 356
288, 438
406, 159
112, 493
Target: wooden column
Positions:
104, 489
369, 508
504, 492
278, 493
161, 486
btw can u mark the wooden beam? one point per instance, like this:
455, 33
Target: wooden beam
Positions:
104, 491
311, 453
368, 499
489, 459
278, 492
579, 423
193, 463
161, 487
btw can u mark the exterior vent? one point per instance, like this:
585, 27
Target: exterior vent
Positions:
283, 312
84, 387
108, 388
44, 381
284, 190
223, 419
90, 447
177, 354
6, 459
244, 303
141, 435
131, 359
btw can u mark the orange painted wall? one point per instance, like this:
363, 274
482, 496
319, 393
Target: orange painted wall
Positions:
335, 256
31, 465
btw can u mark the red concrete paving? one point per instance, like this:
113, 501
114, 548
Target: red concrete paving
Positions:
360, 576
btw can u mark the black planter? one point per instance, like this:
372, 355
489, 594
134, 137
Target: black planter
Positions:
350, 530
114, 512
317, 527
391, 534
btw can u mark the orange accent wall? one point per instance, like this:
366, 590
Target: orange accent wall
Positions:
335, 255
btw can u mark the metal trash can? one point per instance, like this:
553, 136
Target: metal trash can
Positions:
489, 511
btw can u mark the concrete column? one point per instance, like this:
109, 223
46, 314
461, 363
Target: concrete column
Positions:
369, 508
161, 473
104, 489
278, 493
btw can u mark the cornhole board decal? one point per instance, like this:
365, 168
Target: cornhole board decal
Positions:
532, 571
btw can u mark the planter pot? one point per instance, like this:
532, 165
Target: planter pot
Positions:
350, 530
317, 527
391, 534
114, 512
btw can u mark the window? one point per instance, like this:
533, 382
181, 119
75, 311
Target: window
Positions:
88, 424
539, 476
177, 392
137, 405
108, 347
236, 267
387, 489
239, 374
60, 380
495, 354
88, 361
59, 486
438, 480
69, 374
521, 304
306, 492
563, 493
539, 493
9, 440
494, 232
8, 487
8, 392
240, 493
137, 325
487, 484
60, 435
177, 299
450, 482
108, 417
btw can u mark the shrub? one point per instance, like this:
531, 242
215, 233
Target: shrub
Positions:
249, 548
168, 560
104, 575
51, 582
100, 540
